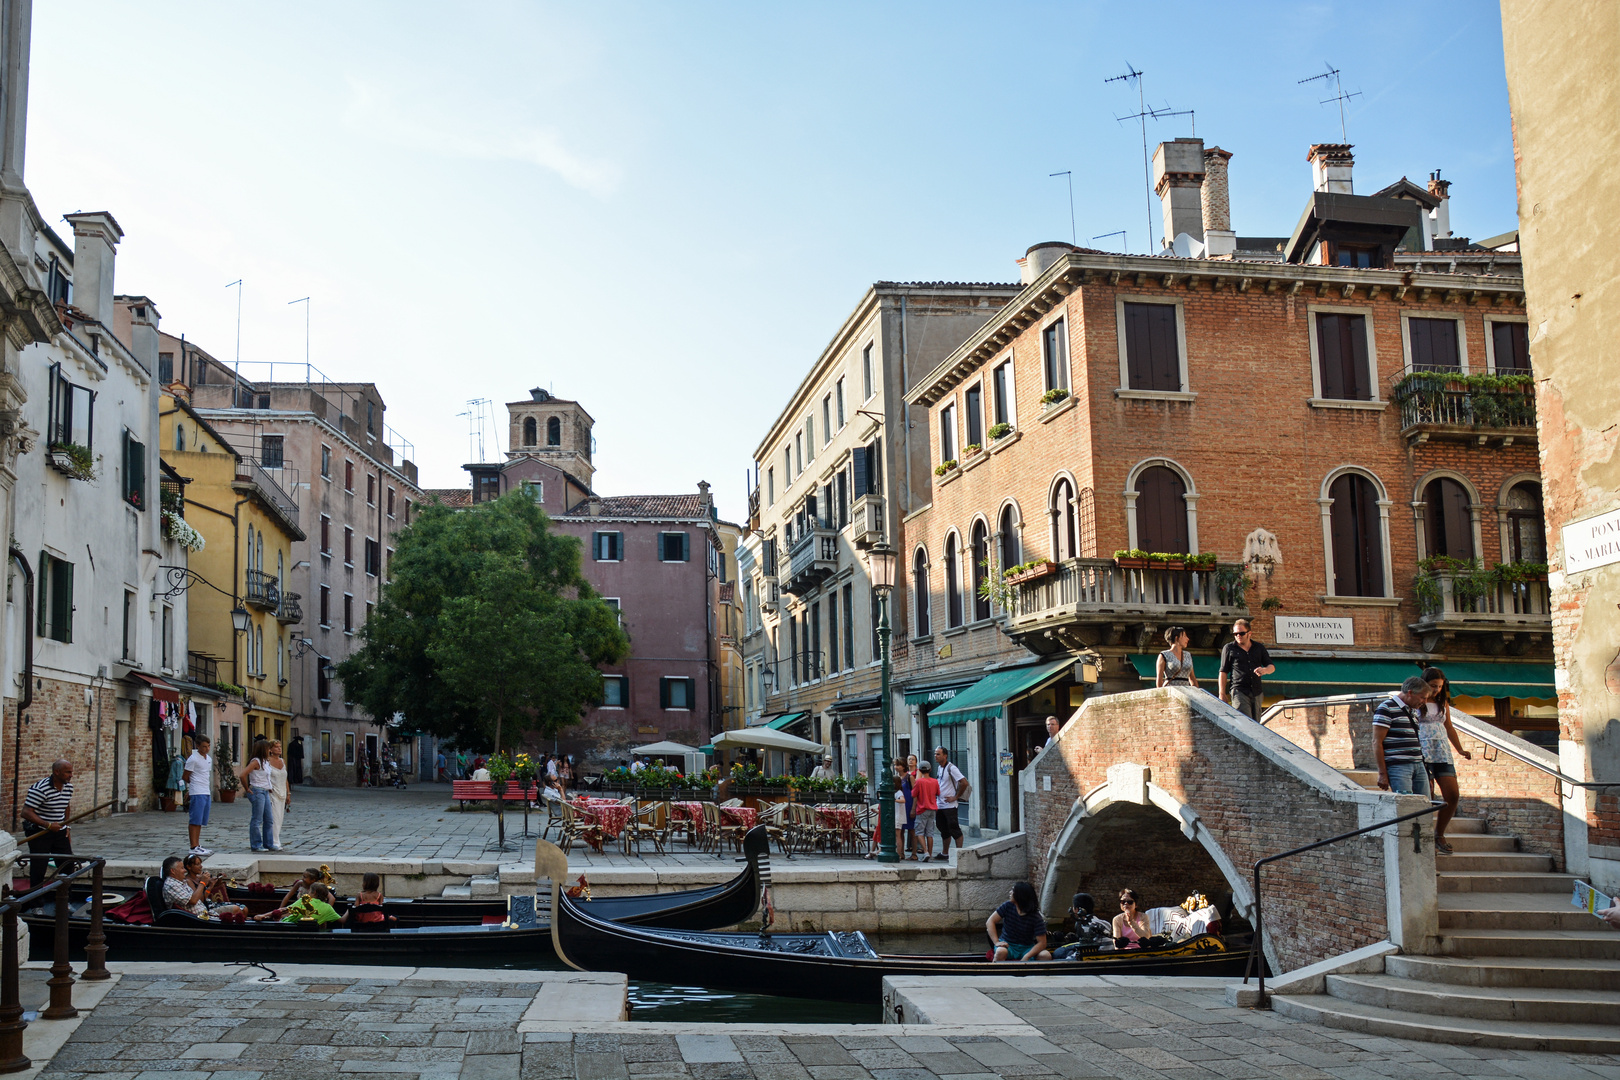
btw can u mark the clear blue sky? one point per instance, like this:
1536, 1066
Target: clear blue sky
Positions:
665, 210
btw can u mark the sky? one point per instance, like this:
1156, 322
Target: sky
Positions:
664, 211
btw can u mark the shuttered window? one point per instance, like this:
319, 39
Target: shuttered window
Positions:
1341, 342
674, 547
54, 604
1358, 550
974, 406
1055, 356
849, 626
1448, 519
676, 693
1510, 348
1433, 343
1152, 352
607, 546
866, 468
615, 691
134, 472
953, 584
919, 593
981, 559
1161, 511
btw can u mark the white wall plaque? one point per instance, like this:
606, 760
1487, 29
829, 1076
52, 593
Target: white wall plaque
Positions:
1592, 543
1296, 630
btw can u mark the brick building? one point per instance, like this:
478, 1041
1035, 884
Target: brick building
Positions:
1299, 412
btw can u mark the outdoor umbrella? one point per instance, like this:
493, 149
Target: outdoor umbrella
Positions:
765, 739
662, 749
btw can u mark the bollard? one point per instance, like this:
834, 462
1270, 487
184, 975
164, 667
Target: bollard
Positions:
12, 1058
95, 946
61, 980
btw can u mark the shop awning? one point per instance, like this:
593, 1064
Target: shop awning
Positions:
985, 698
867, 703
1500, 680
938, 692
787, 719
1302, 676
161, 690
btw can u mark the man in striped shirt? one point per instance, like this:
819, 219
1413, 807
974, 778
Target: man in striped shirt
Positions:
1396, 746
46, 810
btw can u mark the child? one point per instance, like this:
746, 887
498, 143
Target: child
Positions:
367, 908
1017, 928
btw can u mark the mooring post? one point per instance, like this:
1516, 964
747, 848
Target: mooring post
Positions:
12, 1058
95, 946
61, 980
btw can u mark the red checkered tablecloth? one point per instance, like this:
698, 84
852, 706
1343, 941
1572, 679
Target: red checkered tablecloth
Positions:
836, 817
612, 816
739, 815
689, 812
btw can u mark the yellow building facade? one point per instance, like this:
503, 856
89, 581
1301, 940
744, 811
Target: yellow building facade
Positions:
243, 621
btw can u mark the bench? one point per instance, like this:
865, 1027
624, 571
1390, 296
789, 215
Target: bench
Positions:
481, 791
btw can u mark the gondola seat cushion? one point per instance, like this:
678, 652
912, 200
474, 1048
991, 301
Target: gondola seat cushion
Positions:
177, 917
154, 896
136, 911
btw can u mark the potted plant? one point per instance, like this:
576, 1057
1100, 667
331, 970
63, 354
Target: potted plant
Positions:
1033, 570
179, 530
971, 449
1132, 559
73, 459
500, 771
944, 467
1054, 396
229, 782
1271, 603
1001, 430
1206, 561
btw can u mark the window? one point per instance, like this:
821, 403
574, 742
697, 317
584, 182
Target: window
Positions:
1055, 356
373, 557
554, 432
615, 692
1432, 345
865, 466
770, 487
826, 420
1152, 347
793, 649
974, 414
281, 660
369, 608
1001, 385
1007, 537
980, 542
919, 592
798, 451
371, 417
866, 374
1510, 348
371, 490
838, 398
1161, 511
407, 511
676, 693
1357, 537
1341, 357
348, 546
202, 373
71, 412
953, 584
535, 489
874, 605
531, 432
947, 433
58, 286
841, 498
323, 683
326, 605
348, 613
326, 462
54, 617
1062, 511
326, 748
167, 641
1527, 530
348, 476
390, 502
832, 632
179, 437
674, 547
165, 367
486, 486
809, 438
618, 612
812, 643
787, 467
607, 546
348, 748
388, 565
270, 451
1357, 256
1448, 519
129, 626
326, 535
134, 472
849, 626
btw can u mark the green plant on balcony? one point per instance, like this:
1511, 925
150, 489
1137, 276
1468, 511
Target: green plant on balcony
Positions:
1001, 430
1493, 400
970, 449
1206, 561
1053, 396
1517, 573
74, 459
179, 530
1231, 586
944, 467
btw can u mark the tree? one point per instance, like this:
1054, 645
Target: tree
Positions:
486, 627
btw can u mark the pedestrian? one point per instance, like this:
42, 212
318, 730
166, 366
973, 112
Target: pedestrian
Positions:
1053, 726
1396, 745
825, 770
440, 764
256, 777
1017, 928
295, 759
280, 794
1243, 662
1175, 664
199, 769
565, 775
360, 767
925, 797
905, 812
953, 788
461, 764
1435, 732
46, 809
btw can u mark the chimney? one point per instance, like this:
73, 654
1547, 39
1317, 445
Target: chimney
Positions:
539, 394
95, 249
1220, 242
1178, 177
1440, 216
1330, 167
1039, 259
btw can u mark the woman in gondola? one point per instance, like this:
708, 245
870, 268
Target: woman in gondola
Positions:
1131, 925
1017, 928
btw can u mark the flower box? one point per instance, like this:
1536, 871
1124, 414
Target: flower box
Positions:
1133, 564
1034, 573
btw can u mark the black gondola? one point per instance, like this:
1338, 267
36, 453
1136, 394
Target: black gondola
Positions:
831, 966
413, 939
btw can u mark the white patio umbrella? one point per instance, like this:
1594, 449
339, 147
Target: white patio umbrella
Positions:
767, 739
661, 749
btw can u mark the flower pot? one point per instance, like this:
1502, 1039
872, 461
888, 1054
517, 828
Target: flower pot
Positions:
1176, 565
1132, 564
227, 796
168, 803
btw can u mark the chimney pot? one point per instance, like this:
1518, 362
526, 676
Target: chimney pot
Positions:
1331, 166
1219, 239
1178, 179
95, 251
1039, 259
1440, 216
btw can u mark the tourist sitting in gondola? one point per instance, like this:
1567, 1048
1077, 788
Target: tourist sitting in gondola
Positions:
183, 893
315, 906
1084, 926
1132, 927
1017, 928
367, 910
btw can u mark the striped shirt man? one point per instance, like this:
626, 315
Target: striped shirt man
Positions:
48, 802
1401, 745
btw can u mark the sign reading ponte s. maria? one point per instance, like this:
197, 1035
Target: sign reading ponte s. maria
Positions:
1297, 630
1592, 543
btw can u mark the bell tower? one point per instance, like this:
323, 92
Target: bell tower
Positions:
553, 430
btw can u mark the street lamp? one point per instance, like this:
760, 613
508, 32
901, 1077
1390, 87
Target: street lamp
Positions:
880, 565
240, 619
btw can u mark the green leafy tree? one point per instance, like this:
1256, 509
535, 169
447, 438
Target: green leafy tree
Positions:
486, 628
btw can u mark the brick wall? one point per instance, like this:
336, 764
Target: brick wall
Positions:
55, 727
1141, 848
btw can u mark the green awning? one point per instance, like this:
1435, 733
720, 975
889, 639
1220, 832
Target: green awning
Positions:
985, 698
786, 719
937, 693
1301, 676
707, 749
1500, 680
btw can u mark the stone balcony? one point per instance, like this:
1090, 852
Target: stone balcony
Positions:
1090, 602
1504, 617
1456, 412
812, 559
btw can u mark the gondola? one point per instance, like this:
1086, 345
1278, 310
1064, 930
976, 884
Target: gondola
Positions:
832, 966
414, 939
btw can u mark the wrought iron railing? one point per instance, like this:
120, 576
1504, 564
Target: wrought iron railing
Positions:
1458, 405
292, 608
262, 590
202, 670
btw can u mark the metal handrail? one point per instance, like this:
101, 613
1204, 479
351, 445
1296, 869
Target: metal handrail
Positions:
12, 1024
1255, 944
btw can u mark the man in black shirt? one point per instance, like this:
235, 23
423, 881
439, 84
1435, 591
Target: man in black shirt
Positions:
1243, 662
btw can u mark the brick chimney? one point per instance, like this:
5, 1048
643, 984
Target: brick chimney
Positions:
95, 250
1331, 164
1178, 177
1440, 216
1220, 242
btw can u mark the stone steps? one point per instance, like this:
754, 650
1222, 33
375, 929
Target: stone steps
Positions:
1534, 1004
1600, 943
1461, 1031
1454, 881
1567, 973
1495, 862
1510, 911
1479, 843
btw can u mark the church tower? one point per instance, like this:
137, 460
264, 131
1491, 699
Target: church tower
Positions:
553, 430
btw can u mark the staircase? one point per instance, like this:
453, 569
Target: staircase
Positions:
1518, 967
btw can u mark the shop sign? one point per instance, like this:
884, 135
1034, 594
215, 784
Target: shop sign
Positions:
1299, 630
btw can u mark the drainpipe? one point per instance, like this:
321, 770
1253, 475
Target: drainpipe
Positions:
27, 697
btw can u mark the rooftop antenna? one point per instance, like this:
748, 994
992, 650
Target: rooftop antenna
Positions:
475, 427
1124, 242
1338, 95
1074, 235
1141, 115
305, 301
237, 372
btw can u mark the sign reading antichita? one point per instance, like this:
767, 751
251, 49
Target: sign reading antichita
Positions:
1296, 630
1592, 543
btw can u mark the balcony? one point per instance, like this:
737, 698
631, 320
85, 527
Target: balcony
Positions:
262, 590
1504, 616
866, 521
291, 610
1454, 409
203, 670
812, 560
1090, 602
255, 480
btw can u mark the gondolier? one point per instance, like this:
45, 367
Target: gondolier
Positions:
46, 810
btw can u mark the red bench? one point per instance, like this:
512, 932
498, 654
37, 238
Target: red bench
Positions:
481, 791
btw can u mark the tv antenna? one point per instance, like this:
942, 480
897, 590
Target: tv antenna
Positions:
305, 301
1124, 240
1074, 233
1338, 94
1143, 113
477, 412
237, 371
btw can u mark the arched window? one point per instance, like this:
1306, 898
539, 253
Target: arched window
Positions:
1088, 524
258, 559
179, 437
1161, 511
981, 556
281, 658
1358, 542
1527, 529
919, 592
531, 432
953, 584
250, 547
1062, 511
554, 432
1448, 520
1011, 552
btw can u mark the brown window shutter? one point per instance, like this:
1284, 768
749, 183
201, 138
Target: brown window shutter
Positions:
1330, 368
1161, 511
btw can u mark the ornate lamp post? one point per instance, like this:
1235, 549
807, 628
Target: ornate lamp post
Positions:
880, 563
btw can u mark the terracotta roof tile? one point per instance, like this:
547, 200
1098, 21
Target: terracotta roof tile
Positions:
644, 506
452, 497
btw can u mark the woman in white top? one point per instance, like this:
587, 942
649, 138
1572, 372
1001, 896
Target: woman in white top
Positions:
256, 775
280, 795
1435, 733
1175, 666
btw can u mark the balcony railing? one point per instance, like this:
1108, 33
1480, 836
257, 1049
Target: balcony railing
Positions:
262, 590
1511, 613
292, 609
253, 476
1122, 599
1433, 406
812, 560
203, 670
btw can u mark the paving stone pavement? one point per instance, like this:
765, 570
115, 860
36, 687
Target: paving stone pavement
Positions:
224, 1027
